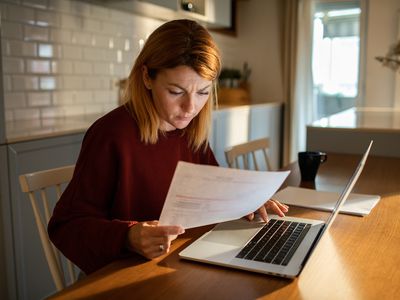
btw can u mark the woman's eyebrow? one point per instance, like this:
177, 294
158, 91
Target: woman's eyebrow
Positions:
182, 88
175, 84
204, 88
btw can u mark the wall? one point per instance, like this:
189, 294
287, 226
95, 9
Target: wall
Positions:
258, 43
259, 39
62, 58
381, 33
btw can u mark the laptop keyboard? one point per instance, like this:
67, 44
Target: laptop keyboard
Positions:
276, 242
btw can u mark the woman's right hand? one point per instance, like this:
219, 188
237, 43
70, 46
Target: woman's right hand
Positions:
151, 240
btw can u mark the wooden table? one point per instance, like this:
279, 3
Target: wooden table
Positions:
359, 259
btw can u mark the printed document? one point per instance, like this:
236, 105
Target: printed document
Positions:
201, 194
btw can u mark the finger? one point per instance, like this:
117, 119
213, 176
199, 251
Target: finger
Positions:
156, 247
168, 230
282, 206
145, 238
275, 208
172, 237
155, 251
152, 223
154, 241
164, 240
263, 213
250, 217
164, 247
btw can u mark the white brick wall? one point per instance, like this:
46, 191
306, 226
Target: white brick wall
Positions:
62, 58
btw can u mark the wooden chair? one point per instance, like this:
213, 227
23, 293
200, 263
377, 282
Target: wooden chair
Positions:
245, 155
39, 185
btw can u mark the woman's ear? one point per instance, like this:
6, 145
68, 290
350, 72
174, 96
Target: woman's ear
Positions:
146, 77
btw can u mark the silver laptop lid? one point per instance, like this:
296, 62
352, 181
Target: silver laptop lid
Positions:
342, 199
348, 188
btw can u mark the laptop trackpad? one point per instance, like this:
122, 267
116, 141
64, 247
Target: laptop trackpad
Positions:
234, 233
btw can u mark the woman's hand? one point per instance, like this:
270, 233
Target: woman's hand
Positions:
279, 208
151, 240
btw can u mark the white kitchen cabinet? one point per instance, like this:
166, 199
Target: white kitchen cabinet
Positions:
266, 121
240, 124
7, 283
203, 10
230, 127
219, 13
171, 4
212, 13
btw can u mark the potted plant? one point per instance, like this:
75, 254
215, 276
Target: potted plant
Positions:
233, 86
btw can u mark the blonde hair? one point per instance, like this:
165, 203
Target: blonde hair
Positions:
173, 44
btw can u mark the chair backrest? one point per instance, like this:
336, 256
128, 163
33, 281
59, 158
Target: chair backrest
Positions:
245, 155
38, 186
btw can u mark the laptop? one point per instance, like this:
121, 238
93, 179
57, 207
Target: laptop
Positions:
280, 247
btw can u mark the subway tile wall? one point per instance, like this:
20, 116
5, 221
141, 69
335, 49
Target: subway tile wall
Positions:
63, 58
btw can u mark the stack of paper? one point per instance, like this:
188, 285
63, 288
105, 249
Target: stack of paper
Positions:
356, 204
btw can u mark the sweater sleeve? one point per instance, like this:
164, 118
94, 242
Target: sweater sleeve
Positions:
81, 226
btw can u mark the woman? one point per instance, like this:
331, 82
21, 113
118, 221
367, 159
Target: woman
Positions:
128, 156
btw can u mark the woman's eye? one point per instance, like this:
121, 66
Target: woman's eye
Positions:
203, 93
175, 93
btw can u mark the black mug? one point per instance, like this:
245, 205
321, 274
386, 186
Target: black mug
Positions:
309, 162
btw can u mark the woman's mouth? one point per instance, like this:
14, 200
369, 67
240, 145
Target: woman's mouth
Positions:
184, 119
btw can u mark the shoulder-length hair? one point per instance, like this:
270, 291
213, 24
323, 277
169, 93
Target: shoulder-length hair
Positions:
173, 44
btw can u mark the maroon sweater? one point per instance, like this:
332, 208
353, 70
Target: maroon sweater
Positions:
118, 181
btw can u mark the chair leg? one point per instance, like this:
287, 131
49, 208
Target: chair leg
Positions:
51, 259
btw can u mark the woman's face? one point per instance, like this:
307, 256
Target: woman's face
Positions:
179, 95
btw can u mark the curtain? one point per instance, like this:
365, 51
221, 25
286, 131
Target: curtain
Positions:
297, 76
289, 44
396, 101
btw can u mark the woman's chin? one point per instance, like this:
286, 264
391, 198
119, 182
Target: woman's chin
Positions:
182, 124
176, 124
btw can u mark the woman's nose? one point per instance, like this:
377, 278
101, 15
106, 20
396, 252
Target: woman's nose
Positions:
188, 105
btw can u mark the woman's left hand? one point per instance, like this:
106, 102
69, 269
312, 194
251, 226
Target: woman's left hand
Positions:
274, 205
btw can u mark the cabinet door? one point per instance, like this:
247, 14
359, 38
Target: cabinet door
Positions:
219, 13
171, 4
265, 121
8, 289
230, 127
33, 279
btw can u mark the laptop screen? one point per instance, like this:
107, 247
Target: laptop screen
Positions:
348, 188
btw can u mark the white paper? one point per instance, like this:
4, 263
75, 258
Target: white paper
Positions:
200, 194
356, 204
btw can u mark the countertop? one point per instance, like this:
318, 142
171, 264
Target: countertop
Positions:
26, 130
362, 119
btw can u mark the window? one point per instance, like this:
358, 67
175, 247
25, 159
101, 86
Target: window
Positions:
336, 56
